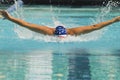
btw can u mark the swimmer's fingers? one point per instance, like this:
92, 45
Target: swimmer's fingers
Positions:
1, 14
4, 14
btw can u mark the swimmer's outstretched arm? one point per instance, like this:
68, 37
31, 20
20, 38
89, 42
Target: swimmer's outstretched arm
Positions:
33, 27
87, 29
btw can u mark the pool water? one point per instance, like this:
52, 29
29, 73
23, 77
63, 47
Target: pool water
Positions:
26, 55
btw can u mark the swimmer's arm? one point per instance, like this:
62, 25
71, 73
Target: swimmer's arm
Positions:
33, 27
87, 29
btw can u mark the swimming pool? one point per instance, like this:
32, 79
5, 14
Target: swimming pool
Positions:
25, 55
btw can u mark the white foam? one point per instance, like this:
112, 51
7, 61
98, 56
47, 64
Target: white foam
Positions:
27, 34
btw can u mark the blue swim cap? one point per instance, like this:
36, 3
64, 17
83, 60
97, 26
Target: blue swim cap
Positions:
60, 30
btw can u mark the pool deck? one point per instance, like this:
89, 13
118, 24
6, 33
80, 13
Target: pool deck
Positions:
67, 2
71, 2
61, 2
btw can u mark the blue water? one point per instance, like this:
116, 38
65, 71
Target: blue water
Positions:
26, 55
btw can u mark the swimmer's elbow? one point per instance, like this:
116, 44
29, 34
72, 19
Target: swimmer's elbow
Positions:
26, 24
95, 27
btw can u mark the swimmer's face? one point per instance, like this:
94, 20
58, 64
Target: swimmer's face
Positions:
62, 36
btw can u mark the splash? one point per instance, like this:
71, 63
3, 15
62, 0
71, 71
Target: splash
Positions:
105, 11
24, 33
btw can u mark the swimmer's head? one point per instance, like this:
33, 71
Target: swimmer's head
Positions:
60, 31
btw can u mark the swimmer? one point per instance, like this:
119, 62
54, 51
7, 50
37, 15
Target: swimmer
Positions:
59, 31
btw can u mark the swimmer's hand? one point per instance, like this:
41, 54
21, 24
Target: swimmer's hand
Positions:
117, 18
5, 14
